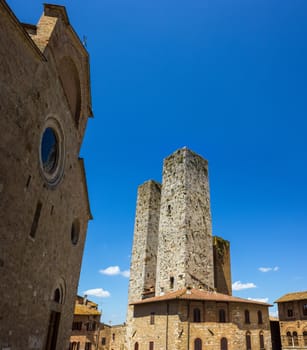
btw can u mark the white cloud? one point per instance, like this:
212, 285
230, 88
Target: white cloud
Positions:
98, 292
125, 273
267, 269
262, 300
238, 285
111, 271
114, 270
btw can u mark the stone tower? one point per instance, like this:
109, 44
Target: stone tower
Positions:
185, 253
145, 243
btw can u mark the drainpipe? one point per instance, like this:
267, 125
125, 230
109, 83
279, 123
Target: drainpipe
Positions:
188, 347
166, 331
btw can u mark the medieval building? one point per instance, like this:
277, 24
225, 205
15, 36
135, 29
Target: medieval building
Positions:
292, 311
85, 326
180, 293
45, 103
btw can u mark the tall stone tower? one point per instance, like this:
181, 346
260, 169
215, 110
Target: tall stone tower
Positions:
145, 242
185, 251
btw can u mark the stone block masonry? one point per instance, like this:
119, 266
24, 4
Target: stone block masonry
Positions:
185, 257
145, 244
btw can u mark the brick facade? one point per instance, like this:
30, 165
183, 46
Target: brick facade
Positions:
85, 326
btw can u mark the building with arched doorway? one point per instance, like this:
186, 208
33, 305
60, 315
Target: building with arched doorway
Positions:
44, 210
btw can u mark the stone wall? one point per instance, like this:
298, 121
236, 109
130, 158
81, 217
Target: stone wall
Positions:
117, 337
145, 241
185, 256
104, 337
222, 269
43, 212
173, 326
293, 323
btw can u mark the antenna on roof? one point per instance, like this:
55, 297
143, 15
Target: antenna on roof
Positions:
84, 41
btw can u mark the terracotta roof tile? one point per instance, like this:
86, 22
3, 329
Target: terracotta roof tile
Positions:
197, 294
292, 297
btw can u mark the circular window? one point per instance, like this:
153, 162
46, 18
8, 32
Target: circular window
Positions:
75, 229
49, 150
52, 151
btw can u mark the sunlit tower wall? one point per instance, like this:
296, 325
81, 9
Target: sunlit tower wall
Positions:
145, 242
185, 251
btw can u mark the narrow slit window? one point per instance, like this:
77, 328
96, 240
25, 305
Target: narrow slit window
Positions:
260, 321
36, 219
196, 315
171, 282
248, 341
152, 318
222, 316
247, 318
261, 341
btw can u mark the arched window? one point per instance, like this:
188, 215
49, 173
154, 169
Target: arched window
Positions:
197, 344
259, 313
136, 346
261, 341
247, 319
248, 341
224, 344
289, 338
222, 316
196, 315
305, 338
295, 339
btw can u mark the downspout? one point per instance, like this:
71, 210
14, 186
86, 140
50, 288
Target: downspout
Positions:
166, 331
188, 347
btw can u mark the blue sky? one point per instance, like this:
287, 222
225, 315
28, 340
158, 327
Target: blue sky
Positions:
226, 78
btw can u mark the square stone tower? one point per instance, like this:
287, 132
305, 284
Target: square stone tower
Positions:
145, 241
185, 252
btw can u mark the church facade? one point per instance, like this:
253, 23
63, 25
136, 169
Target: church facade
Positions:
45, 103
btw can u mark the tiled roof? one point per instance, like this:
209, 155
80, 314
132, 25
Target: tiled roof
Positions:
85, 310
292, 297
197, 294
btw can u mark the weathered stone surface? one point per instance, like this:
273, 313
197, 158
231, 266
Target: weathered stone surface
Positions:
145, 241
222, 269
292, 311
38, 207
185, 256
175, 329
